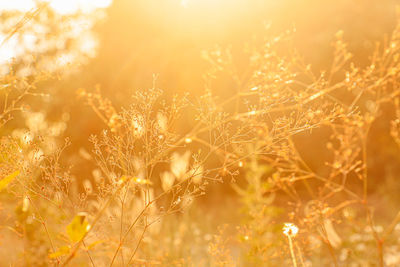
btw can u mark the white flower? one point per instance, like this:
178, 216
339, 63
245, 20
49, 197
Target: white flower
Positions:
290, 230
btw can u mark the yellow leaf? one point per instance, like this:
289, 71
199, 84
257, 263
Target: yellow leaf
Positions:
136, 180
8, 179
92, 245
124, 178
142, 181
64, 250
78, 228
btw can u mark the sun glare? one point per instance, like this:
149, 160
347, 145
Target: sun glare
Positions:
72, 6
7, 51
21, 5
25, 42
60, 6
184, 3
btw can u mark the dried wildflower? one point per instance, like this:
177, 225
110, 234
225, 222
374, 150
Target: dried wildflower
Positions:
197, 174
114, 122
87, 185
162, 122
138, 126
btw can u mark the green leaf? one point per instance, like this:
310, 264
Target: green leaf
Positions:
78, 228
64, 250
8, 179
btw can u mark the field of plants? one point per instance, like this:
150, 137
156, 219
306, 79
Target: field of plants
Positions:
200, 133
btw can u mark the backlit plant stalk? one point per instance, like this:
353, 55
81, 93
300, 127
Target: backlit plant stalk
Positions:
290, 230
